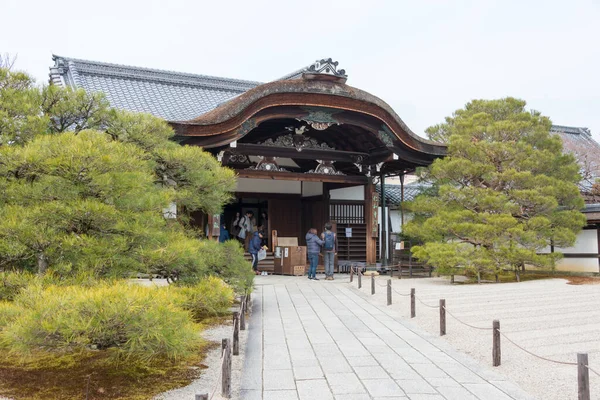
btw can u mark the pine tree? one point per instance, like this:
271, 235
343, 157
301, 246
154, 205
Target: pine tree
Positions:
83, 187
505, 191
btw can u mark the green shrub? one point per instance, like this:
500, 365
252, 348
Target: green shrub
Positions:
11, 282
225, 260
8, 313
209, 297
132, 323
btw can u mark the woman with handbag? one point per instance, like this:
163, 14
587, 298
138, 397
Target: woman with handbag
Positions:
254, 247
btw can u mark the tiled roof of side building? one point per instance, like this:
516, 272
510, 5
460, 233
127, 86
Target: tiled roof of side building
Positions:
393, 193
173, 96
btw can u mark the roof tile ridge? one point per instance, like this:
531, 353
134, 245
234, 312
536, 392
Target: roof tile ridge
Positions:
159, 71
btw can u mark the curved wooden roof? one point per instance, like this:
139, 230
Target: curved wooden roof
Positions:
234, 119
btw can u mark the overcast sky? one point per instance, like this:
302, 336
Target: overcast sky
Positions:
424, 58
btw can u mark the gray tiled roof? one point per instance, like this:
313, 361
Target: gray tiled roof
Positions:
579, 141
393, 193
173, 96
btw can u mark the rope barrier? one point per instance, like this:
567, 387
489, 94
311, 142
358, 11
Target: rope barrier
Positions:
427, 305
535, 355
464, 323
359, 271
401, 294
220, 374
588, 367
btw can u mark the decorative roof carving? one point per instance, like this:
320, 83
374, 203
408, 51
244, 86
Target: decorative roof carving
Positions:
267, 164
320, 118
294, 140
325, 168
326, 66
386, 136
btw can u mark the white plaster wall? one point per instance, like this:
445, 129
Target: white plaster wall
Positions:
349, 193
397, 220
267, 186
587, 242
312, 189
578, 265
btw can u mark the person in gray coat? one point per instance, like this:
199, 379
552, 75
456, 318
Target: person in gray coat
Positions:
313, 248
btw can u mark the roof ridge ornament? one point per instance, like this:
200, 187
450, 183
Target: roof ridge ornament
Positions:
325, 69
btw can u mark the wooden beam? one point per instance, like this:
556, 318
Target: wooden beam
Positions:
250, 149
371, 241
294, 176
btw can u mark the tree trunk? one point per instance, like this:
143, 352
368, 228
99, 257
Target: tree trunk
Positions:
42, 262
451, 278
497, 278
478, 276
517, 275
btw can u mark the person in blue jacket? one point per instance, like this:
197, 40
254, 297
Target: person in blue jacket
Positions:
313, 248
254, 247
223, 234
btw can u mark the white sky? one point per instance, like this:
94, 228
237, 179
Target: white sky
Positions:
424, 58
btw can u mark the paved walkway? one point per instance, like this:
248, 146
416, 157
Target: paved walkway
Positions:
325, 340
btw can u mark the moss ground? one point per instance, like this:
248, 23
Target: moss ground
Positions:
93, 379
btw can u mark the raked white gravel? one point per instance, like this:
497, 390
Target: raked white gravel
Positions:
547, 317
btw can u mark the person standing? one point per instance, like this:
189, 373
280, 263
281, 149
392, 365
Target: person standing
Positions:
254, 247
235, 225
223, 234
330, 249
313, 247
246, 229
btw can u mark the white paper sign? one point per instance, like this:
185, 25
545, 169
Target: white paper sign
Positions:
400, 245
285, 252
348, 232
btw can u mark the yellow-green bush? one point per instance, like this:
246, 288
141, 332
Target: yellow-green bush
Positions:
132, 323
8, 313
11, 282
209, 297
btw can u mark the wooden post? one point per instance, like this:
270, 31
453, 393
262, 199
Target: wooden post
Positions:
248, 307
389, 292
373, 284
496, 353
442, 317
583, 377
351, 273
412, 303
236, 333
243, 314
371, 222
202, 396
359, 279
226, 369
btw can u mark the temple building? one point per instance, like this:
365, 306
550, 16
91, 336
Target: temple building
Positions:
307, 147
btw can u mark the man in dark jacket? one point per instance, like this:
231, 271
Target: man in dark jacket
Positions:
313, 248
330, 249
254, 247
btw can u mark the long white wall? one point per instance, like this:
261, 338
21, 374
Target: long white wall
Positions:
252, 185
312, 189
349, 193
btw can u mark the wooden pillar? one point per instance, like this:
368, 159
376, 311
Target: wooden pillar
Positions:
384, 226
598, 235
371, 223
402, 202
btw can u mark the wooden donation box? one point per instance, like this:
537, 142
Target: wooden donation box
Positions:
289, 258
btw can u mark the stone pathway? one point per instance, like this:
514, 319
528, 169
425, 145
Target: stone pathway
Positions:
325, 340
